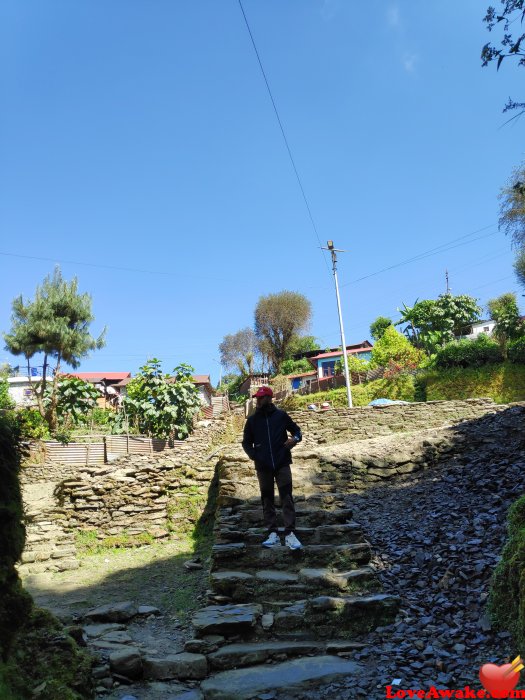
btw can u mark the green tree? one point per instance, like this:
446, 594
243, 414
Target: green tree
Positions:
279, 318
56, 324
239, 351
394, 347
512, 207
301, 344
379, 326
509, 326
510, 46
162, 405
431, 323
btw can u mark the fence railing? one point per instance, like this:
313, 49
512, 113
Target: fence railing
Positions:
110, 446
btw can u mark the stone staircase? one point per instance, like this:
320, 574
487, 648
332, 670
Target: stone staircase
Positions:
278, 620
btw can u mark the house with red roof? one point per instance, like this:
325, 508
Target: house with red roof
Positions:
324, 362
112, 385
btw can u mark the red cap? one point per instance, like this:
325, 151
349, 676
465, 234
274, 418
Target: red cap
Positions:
263, 391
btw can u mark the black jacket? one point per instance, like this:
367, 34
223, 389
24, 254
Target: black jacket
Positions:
265, 433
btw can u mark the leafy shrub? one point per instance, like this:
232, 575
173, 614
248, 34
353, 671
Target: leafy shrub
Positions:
469, 353
75, 399
295, 366
355, 364
31, 424
396, 347
516, 350
507, 594
6, 402
162, 405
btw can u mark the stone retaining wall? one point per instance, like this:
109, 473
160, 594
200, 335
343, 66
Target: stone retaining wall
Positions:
343, 424
133, 496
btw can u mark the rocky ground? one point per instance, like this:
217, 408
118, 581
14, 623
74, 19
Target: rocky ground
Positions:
163, 576
437, 537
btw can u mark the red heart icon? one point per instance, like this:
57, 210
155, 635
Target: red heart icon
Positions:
496, 682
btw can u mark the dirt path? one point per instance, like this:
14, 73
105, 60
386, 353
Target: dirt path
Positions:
151, 575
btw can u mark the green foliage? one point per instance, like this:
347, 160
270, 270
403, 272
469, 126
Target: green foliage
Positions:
503, 382
6, 402
355, 364
55, 323
469, 353
394, 346
379, 326
279, 319
509, 326
161, 405
102, 416
507, 15
516, 350
31, 424
75, 399
89, 542
431, 323
295, 366
512, 207
507, 593
301, 344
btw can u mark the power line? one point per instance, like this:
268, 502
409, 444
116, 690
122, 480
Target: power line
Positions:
429, 253
282, 131
109, 267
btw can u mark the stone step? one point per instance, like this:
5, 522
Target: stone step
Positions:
324, 534
305, 518
253, 653
240, 556
226, 619
240, 586
248, 683
325, 501
328, 617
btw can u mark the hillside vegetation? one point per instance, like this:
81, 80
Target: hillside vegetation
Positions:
503, 382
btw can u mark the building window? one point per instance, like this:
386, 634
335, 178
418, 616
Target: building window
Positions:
329, 369
486, 329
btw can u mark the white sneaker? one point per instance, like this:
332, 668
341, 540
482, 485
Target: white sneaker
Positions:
292, 542
273, 540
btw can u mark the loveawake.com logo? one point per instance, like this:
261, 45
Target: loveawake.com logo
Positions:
497, 681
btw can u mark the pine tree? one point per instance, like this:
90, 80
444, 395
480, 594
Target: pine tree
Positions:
55, 323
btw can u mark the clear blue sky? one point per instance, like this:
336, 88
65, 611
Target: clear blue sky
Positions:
140, 135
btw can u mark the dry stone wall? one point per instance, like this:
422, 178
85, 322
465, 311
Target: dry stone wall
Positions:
345, 424
385, 443
133, 496
142, 494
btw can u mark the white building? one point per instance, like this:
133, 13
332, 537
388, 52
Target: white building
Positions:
20, 390
480, 327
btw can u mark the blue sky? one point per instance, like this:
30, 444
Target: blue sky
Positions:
140, 151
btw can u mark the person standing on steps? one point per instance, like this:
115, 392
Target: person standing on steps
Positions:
266, 441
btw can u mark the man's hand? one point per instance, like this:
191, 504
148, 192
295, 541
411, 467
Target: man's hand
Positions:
291, 442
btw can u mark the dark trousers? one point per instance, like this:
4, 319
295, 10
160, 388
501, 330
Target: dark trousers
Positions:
283, 479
